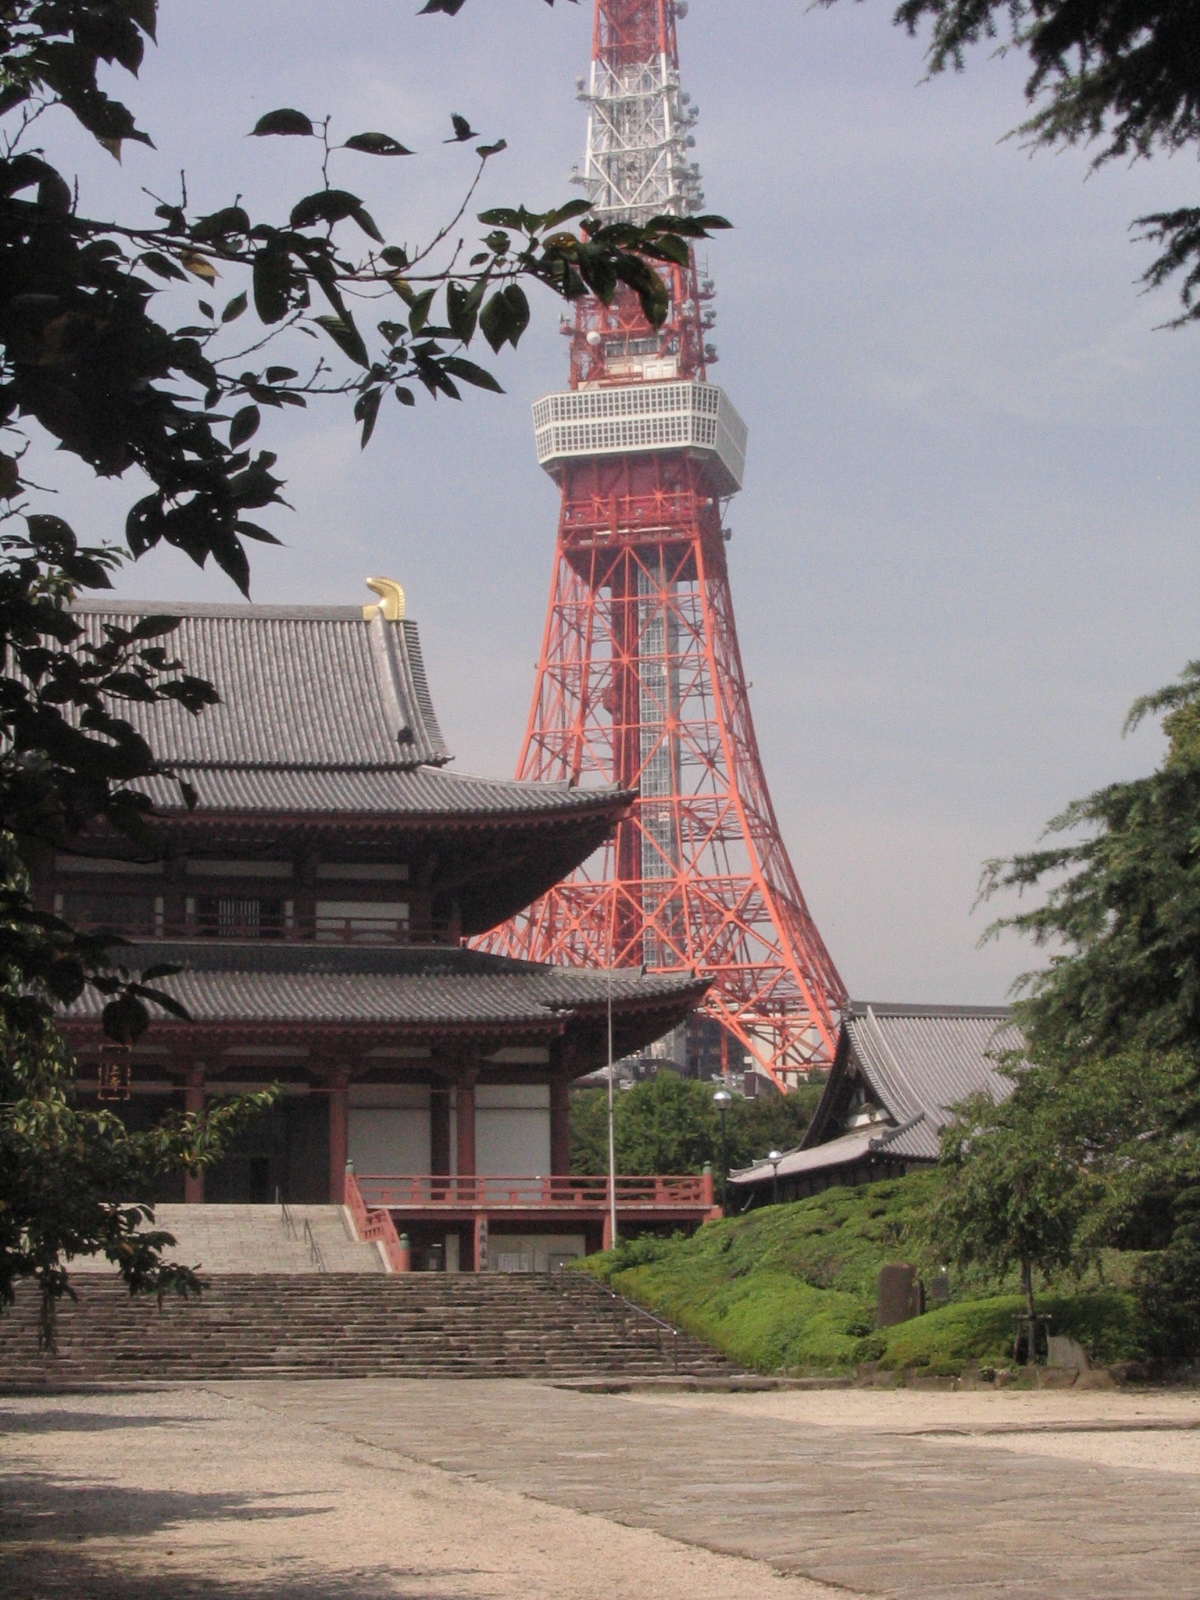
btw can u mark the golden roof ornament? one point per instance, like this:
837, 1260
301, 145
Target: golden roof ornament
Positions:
391, 600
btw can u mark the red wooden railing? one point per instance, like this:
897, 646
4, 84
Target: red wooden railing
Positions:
560, 1193
372, 1225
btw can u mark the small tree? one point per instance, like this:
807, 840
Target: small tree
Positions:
1007, 1196
1046, 1179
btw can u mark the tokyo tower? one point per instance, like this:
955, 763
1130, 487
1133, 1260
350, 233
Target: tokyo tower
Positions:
640, 680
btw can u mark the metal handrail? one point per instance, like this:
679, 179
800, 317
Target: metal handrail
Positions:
286, 1220
624, 1306
314, 1249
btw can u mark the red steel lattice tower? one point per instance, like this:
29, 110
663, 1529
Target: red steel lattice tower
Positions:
640, 680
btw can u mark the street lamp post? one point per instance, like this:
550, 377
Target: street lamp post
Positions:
775, 1157
722, 1100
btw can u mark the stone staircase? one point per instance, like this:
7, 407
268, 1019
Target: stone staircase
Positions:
219, 1239
348, 1325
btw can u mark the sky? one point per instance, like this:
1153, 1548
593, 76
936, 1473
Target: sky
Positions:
967, 535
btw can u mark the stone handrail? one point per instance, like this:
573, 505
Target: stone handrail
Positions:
374, 1226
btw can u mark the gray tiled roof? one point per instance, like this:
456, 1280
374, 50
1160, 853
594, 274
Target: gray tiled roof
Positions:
419, 791
918, 1061
915, 1141
260, 982
300, 687
926, 1059
322, 711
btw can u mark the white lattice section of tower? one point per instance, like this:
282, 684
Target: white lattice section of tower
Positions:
632, 419
637, 163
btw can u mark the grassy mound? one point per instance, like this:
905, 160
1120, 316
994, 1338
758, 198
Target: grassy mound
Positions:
792, 1288
946, 1338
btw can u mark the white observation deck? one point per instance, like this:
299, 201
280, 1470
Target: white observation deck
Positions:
643, 418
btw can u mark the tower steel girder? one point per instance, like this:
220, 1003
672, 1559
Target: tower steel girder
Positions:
640, 679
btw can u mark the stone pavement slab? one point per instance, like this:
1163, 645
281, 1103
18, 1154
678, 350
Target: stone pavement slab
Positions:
885, 1512
182, 1494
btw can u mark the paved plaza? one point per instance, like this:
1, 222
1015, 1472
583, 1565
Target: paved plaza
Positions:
444, 1490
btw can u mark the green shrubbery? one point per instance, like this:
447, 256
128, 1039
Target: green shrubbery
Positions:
792, 1288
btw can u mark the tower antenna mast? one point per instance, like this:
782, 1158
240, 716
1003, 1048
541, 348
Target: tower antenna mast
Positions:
640, 679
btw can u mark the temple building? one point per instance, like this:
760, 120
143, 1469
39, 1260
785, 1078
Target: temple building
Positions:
898, 1073
317, 898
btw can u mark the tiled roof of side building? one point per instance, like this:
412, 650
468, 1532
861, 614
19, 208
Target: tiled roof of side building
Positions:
927, 1059
322, 709
262, 982
917, 1061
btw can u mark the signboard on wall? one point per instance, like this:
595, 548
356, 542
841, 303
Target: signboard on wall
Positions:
481, 1244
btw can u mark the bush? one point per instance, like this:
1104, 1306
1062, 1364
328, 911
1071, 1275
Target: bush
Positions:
1167, 1286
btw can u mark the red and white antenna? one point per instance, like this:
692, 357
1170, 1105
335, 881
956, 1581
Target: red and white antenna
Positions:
640, 679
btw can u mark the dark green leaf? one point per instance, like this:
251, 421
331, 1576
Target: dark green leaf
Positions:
347, 338
235, 308
470, 373
273, 279
327, 205
376, 144
419, 314
501, 217
367, 223
283, 121
573, 208
162, 265
244, 426
405, 396
366, 409
505, 317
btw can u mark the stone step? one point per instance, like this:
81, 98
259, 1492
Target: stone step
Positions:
347, 1325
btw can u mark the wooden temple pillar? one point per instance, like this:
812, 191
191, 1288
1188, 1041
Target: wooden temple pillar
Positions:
193, 1104
339, 1138
560, 1127
464, 1106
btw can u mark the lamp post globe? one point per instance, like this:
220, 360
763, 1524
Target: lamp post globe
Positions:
723, 1100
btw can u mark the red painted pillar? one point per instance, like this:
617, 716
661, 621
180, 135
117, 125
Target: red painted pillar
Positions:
193, 1104
464, 1104
560, 1127
338, 1137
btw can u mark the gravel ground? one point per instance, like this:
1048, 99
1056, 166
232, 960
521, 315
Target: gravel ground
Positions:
190, 1495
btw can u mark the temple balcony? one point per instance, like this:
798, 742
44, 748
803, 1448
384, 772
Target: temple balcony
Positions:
404, 1211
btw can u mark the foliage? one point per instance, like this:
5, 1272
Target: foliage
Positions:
792, 1288
789, 1286
66, 1175
1122, 904
1053, 1174
1167, 1285
1123, 74
669, 1124
941, 1343
105, 355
